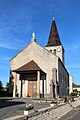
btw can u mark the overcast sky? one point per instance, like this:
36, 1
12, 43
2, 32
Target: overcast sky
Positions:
19, 18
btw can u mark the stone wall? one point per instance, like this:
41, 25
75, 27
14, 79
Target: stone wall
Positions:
53, 113
43, 58
50, 114
59, 53
63, 80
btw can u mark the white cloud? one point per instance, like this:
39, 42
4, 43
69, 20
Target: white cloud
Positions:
76, 66
15, 45
4, 58
11, 29
76, 47
73, 47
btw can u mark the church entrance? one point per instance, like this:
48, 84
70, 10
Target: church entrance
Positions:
31, 79
32, 88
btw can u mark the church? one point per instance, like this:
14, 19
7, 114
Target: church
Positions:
40, 71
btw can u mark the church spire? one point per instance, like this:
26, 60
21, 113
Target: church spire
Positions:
53, 39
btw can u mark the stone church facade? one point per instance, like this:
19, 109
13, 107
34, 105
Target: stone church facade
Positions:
40, 71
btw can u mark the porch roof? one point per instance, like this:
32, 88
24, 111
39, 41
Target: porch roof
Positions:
27, 67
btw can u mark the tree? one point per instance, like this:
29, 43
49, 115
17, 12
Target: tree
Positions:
75, 90
7, 85
1, 86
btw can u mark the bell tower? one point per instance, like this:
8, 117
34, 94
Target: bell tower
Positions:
54, 44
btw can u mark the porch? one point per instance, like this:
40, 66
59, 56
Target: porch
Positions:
29, 81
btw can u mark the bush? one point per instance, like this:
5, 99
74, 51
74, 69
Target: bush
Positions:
29, 107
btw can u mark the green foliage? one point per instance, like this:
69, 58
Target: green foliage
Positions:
75, 90
1, 86
29, 107
53, 102
5, 98
7, 84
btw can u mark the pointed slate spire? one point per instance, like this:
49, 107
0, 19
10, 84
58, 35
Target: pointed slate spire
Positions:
53, 39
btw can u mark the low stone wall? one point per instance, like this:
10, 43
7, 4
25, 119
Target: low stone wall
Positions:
49, 114
53, 113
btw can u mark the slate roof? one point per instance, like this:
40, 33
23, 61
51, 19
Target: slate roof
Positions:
76, 86
53, 39
29, 66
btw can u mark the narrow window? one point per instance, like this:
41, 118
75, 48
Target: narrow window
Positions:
55, 51
50, 50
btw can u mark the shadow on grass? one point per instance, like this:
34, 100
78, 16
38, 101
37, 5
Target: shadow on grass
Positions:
7, 103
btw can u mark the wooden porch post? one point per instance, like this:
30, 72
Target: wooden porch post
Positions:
14, 86
38, 83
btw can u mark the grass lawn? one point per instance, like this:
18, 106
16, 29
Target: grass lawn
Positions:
5, 98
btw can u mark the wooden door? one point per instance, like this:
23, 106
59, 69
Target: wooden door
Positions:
32, 88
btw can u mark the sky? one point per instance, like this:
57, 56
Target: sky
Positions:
19, 18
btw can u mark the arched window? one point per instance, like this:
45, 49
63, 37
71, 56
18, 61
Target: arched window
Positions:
54, 51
